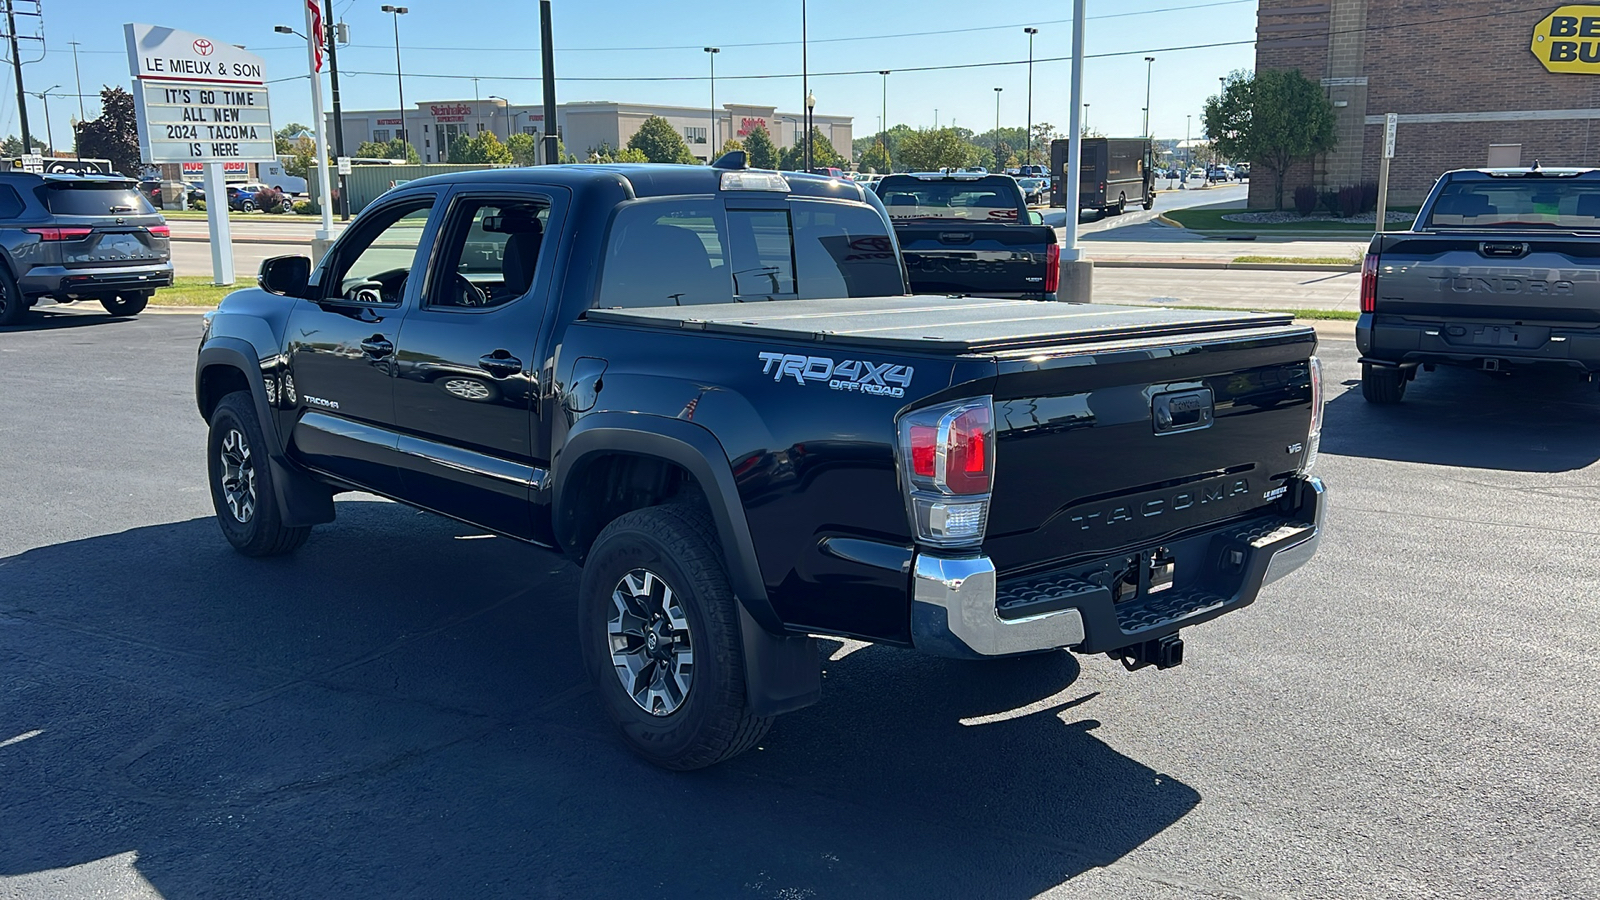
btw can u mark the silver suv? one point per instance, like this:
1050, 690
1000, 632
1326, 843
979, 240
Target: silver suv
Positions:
74, 237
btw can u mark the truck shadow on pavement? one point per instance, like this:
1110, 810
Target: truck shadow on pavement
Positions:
54, 320
1530, 421
399, 710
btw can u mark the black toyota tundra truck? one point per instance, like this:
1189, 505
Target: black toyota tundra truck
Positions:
1500, 272
710, 388
971, 233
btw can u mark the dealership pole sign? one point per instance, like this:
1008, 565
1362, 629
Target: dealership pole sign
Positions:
1568, 40
198, 99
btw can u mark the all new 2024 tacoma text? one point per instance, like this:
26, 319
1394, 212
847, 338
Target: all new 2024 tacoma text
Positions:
710, 388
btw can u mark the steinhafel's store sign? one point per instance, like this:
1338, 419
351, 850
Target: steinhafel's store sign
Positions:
454, 112
198, 100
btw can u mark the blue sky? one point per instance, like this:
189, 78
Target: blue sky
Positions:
497, 40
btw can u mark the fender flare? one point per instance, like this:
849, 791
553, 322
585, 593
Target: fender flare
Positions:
783, 672
302, 500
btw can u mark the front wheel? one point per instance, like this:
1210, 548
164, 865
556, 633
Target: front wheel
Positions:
659, 628
248, 206
241, 482
1383, 384
125, 304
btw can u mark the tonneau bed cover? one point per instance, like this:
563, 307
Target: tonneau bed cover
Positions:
938, 323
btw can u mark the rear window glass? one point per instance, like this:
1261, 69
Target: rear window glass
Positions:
96, 200
686, 252
916, 199
1530, 202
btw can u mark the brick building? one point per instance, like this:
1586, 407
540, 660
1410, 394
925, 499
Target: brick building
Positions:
1460, 74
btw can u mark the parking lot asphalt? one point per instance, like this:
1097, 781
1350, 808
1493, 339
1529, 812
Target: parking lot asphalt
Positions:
398, 710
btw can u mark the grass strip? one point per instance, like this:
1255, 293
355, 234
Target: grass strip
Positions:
1302, 260
1202, 219
1332, 315
194, 291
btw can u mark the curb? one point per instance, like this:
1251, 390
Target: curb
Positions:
1209, 264
293, 239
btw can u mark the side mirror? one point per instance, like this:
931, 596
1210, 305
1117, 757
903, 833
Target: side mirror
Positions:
285, 275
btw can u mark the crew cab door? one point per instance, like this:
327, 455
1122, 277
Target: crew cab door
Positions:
468, 362
340, 346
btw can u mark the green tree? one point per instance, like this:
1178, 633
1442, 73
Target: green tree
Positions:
763, 152
823, 152
730, 145
605, 154
660, 142
285, 139
395, 149
482, 148
936, 148
1043, 134
115, 135
302, 155
524, 149
1270, 118
11, 147
876, 158
1003, 155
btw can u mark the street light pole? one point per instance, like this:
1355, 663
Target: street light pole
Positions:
712, 146
1031, 32
79, 76
396, 12
1149, 65
811, 124
1086, 117
507, 115
805, 83
997, 114
883, 123
44, 97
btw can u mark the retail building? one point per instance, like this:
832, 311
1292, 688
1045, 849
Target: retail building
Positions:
1471, 81
584, 125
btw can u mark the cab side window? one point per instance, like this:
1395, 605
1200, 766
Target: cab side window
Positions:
490, 253
374, 265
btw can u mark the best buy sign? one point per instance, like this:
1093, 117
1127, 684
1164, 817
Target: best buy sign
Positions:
1568, 40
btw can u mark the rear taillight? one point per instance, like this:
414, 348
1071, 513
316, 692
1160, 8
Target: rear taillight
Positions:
1052, 268
1369, 283
160, 230
947, 457
1314, 435
60, 234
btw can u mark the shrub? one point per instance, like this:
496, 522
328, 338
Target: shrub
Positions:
1349, 201
1330, 202
1305, 200
198, 204
269, 199
1369, 196
306, 208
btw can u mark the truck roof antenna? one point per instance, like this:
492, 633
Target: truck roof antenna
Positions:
1535, 167
733, 159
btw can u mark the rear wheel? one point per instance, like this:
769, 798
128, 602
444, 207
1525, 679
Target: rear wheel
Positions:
126, 304
241, 482
1383, 384
1121, 207
659, 628
13, 306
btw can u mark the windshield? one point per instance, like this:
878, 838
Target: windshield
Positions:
983, 198
97, 199
1531, 202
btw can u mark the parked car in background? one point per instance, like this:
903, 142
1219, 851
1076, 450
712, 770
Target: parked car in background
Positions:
1242, 171
74, 237
831, 172
251, 197
1036, 190
197, 191
971, 234
1218, 173
1499, 273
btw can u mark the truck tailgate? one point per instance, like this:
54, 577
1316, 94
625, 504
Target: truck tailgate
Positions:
1481, 276
1116, 447
979, 258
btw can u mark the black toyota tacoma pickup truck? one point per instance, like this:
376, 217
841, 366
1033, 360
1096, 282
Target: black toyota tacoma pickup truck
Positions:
971, 233
710, 388
1500, 272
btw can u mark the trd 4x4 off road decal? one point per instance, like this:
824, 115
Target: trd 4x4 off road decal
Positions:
858, 375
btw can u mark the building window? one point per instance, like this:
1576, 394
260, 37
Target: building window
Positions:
381, 135
530, 129
694, 135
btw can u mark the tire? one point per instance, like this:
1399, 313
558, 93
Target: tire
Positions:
126, 304
1382, 384
241, 482
680, 722
247, 206
1121, 207
13, 306
1150, 204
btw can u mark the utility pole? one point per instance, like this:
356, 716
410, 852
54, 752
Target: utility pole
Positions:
44, 97
1149, 66
883, 122
547, 51
16, 69
1031, 32
76, 74
711, 136
338, 112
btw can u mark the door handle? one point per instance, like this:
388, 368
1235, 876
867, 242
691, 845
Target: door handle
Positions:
377, 346
500, 364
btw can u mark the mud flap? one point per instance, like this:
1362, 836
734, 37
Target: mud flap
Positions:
782, 673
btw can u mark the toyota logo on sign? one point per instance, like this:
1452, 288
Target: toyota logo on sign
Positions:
203, 47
